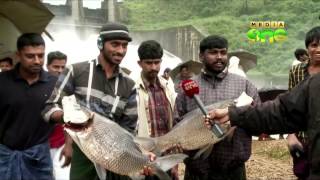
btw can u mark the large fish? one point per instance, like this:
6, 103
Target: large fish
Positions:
106, 143
190, 133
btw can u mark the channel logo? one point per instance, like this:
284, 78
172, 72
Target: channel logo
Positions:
267, 32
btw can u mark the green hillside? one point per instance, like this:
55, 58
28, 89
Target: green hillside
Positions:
231, 18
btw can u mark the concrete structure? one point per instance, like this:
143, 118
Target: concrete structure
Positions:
180, 41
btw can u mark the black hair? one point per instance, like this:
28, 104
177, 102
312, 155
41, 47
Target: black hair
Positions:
312, 35
213, 41
167, 70
55, 55
183, 66
300, 52
150, 49
29, 39
7, 59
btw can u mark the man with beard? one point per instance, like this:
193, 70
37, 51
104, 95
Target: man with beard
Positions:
155, 97
100, 85
24, 148
228, 157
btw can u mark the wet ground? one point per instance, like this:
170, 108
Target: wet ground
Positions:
270, 160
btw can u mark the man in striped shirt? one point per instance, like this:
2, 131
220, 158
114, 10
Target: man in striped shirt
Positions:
100, 85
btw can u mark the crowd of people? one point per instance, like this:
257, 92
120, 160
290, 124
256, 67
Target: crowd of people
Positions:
33, 144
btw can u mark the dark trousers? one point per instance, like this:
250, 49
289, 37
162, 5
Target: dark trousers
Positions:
237, 173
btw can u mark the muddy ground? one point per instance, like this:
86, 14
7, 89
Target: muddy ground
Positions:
270, 160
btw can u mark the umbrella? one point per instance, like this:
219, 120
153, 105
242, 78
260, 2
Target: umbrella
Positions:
270, 94
20, 16
193, 66
247, 59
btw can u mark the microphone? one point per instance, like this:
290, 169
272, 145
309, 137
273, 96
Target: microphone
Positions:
191, 89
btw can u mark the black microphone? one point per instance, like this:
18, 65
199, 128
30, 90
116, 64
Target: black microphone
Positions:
191, 89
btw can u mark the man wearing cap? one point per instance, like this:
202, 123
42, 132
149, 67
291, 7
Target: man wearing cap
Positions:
100, 85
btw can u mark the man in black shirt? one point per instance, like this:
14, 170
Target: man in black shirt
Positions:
288, 113
24, 150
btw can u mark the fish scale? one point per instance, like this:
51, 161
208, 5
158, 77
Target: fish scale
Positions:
112, 147
95, 143
190, 133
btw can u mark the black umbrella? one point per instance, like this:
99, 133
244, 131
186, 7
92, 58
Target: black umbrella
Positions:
20, 16
193, 67
270, 94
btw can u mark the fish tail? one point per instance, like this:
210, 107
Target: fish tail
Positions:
169, 161
148, 144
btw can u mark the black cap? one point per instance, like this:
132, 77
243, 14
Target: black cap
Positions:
114, 31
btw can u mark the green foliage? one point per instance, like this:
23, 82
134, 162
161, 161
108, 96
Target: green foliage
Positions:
231, 18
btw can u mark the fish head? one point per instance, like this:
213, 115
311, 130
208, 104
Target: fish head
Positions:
76, 126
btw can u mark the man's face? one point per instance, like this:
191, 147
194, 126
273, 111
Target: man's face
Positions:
150, 68
56, 67
114, 51
314, 51
5, 66
166, 74
303, 58
215, 59
184, 73
31, 58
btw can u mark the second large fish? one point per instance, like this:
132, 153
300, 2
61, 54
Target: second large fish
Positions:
191, 133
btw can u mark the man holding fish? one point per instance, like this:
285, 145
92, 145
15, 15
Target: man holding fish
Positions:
100, 86
156, 99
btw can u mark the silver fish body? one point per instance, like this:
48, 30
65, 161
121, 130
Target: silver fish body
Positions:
190, 133
112, 147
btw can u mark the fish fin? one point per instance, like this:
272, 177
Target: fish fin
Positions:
161, 165
101, 172
169, 161
148, 144
161, 174
204, 152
